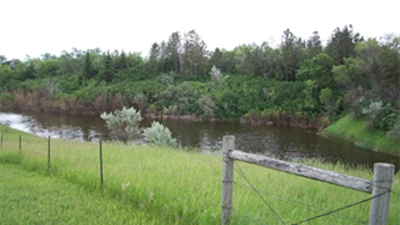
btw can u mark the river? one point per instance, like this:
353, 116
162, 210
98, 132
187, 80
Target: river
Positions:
278, 142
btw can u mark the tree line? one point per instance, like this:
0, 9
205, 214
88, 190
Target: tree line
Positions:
182, 77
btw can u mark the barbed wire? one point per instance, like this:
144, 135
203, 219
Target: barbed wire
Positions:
240, 172
308, 206
342, 208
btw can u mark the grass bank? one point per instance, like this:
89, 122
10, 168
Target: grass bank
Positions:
179, 187
354, 130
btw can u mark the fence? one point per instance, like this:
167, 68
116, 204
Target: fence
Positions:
383, 174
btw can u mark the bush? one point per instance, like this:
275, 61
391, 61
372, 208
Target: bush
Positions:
124, 124
157, 134
394, 133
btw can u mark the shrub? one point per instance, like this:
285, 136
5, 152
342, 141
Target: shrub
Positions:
373, 109
394, 133
157, 134
123, 124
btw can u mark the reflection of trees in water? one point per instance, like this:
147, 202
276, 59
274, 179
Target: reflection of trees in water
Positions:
278, 142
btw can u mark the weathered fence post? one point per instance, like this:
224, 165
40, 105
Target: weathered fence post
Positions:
20, 144
383, 177
228, 144
48, 154
101, 164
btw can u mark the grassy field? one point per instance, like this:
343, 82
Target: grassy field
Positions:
178, 187
32, 198
355, 131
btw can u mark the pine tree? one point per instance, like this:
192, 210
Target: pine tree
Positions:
88, 71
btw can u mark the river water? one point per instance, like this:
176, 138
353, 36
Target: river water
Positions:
278, 142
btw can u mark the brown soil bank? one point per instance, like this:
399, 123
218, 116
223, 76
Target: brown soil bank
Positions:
289, 119
44, 102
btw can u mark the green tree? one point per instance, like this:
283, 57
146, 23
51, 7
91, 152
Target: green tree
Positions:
194, 56
314, 46
88, 70
154, 57
5, 76
341, 44
318, 69
173, 52
216, 58
107, 73
122, 61
292, 52
47, 68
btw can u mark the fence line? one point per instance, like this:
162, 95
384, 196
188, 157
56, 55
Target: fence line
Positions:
383, 175
380, 196
48, 154
307, 206
240, 172
101, 163
20, 143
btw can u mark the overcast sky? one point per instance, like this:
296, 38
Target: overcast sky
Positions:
35, 27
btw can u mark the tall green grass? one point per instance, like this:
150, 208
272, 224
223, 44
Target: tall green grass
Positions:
185, 187
354, 129
31, 198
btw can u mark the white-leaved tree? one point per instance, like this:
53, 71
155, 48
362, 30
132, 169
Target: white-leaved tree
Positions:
160, 135
217, 77
123, 124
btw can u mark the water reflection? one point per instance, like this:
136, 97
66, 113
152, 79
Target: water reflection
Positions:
277, 142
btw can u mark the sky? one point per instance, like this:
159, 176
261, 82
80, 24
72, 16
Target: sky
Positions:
35, 27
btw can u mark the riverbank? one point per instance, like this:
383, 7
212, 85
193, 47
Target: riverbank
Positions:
354, 131
71, 105
185, 188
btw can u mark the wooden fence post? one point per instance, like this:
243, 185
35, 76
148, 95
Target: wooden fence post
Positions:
228, 145
383, 177
101, 164
48, 154
20, 144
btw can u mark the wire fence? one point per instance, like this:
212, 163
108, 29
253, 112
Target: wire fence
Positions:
321, 214
206, 203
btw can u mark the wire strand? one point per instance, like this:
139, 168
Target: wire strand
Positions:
308, 206
240, 172
339, 209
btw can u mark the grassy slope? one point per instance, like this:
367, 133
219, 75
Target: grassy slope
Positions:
31, 198
355, 131
185, 188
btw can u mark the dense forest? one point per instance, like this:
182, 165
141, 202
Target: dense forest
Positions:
300, 82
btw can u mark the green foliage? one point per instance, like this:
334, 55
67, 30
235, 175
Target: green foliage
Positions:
159, 135
207, 106
6, 77
217, 77
47, 68
394, 133
342, 43
373, 109
107, 72
331, 105
124, 124
88, 70
318, 69
381, 116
